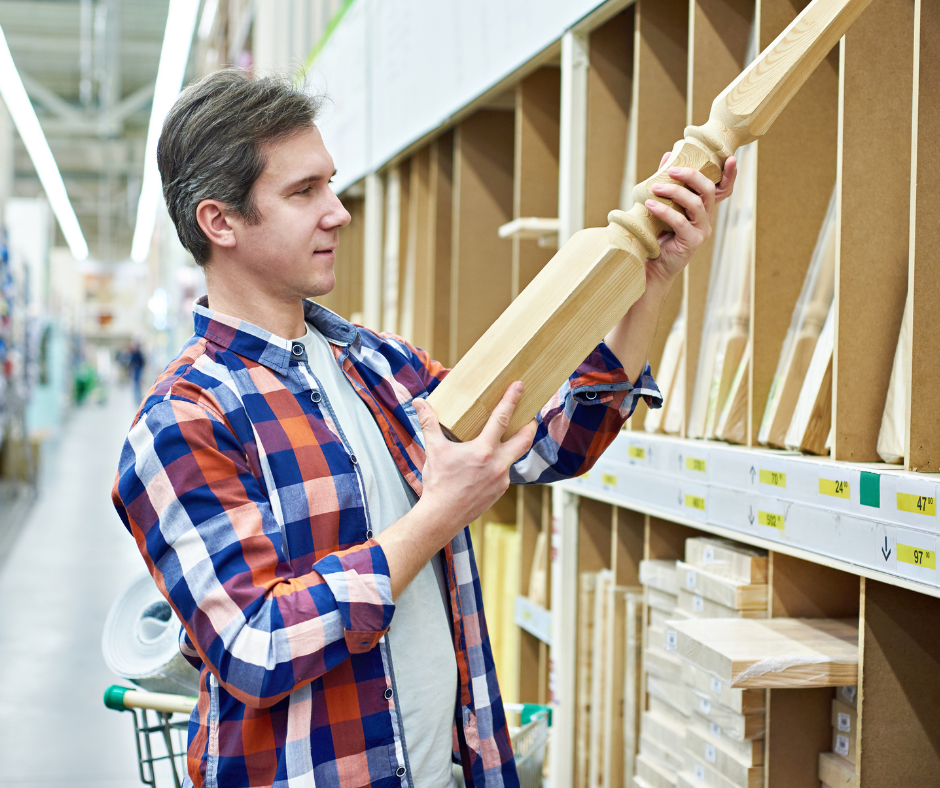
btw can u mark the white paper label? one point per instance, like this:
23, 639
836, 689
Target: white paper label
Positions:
699, 772
708, 555
705, 706
845, 722
672, 640
842, 744
698, 604
710, 755
849, 693
690, 580
716, 686
715, 729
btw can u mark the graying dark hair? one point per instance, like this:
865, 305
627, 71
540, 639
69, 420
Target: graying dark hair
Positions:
210, 147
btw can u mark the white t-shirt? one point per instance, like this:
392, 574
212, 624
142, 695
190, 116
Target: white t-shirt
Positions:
424, 665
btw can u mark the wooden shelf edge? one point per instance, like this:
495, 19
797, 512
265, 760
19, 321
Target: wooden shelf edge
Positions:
534, 619
530, 228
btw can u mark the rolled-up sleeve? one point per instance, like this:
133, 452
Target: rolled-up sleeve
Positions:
583, 418
207, 531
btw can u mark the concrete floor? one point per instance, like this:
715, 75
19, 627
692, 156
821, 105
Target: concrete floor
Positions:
69, 562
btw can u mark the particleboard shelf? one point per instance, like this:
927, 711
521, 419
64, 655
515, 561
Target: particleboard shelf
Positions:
531, 228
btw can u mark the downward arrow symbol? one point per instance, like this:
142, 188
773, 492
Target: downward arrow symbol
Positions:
750, 514
885, 551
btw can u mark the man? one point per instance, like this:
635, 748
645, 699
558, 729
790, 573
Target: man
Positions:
293, 495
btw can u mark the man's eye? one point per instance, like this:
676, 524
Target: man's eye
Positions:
304, 191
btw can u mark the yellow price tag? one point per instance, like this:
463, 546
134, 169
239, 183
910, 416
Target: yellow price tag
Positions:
916, 555
776, 478
836, 489
695, 502
609, 479
638, 452
695, 464
770, 519
917, 504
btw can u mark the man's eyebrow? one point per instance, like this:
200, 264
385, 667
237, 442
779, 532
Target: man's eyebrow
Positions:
305, 180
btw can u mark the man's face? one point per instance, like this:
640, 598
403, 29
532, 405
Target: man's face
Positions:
290, 251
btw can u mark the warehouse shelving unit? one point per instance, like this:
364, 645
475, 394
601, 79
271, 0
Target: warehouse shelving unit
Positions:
848, 537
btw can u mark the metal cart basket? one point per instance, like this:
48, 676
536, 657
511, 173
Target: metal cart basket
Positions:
161, 738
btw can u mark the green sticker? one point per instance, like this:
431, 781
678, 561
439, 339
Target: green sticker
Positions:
870, 489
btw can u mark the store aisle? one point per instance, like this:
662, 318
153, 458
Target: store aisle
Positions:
56, 585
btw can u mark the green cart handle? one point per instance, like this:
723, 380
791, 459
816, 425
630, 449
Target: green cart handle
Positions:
124, 698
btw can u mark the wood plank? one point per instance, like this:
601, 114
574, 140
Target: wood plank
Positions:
922, 442
440, 212
733, 560
725, 591
535, 179
481, 262
899, 712
875, 103
529, 522
775, 652
374, 218
418, 306
661, 36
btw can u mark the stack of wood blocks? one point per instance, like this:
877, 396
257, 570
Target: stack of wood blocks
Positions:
837, 768
724, 740
697, 730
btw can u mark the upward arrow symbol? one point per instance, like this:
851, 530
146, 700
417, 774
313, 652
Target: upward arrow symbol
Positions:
753, 474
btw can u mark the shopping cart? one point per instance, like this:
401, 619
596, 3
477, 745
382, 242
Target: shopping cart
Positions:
161, 738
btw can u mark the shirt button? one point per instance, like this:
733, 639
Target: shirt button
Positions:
400, 772
353, 460
388, 696
369, 534
315, 397
297, 350
590, 395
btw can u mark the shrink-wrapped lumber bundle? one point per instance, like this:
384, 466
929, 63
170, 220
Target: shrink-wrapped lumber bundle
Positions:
724, 739
809, 316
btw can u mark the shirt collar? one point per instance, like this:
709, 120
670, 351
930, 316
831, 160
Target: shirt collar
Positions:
250, 341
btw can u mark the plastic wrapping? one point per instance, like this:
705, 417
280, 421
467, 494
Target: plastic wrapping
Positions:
891, 434
809, 315
727, 307
140, 641
816, 373
673, 693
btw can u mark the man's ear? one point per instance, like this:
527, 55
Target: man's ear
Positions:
213, 218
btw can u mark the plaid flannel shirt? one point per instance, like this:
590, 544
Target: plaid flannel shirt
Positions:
247, 506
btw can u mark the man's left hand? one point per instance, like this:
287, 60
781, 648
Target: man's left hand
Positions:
698, 197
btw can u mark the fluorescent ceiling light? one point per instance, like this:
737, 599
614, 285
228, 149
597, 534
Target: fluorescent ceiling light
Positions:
209, 10
27, 124
180, 26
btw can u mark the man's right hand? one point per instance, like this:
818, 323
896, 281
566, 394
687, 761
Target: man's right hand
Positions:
461, 481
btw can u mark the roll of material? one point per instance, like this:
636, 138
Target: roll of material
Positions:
141, 641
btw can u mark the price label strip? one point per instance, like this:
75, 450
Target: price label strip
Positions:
917, 556
770, 519
834, 488
695, 502
773, 478
917, 504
